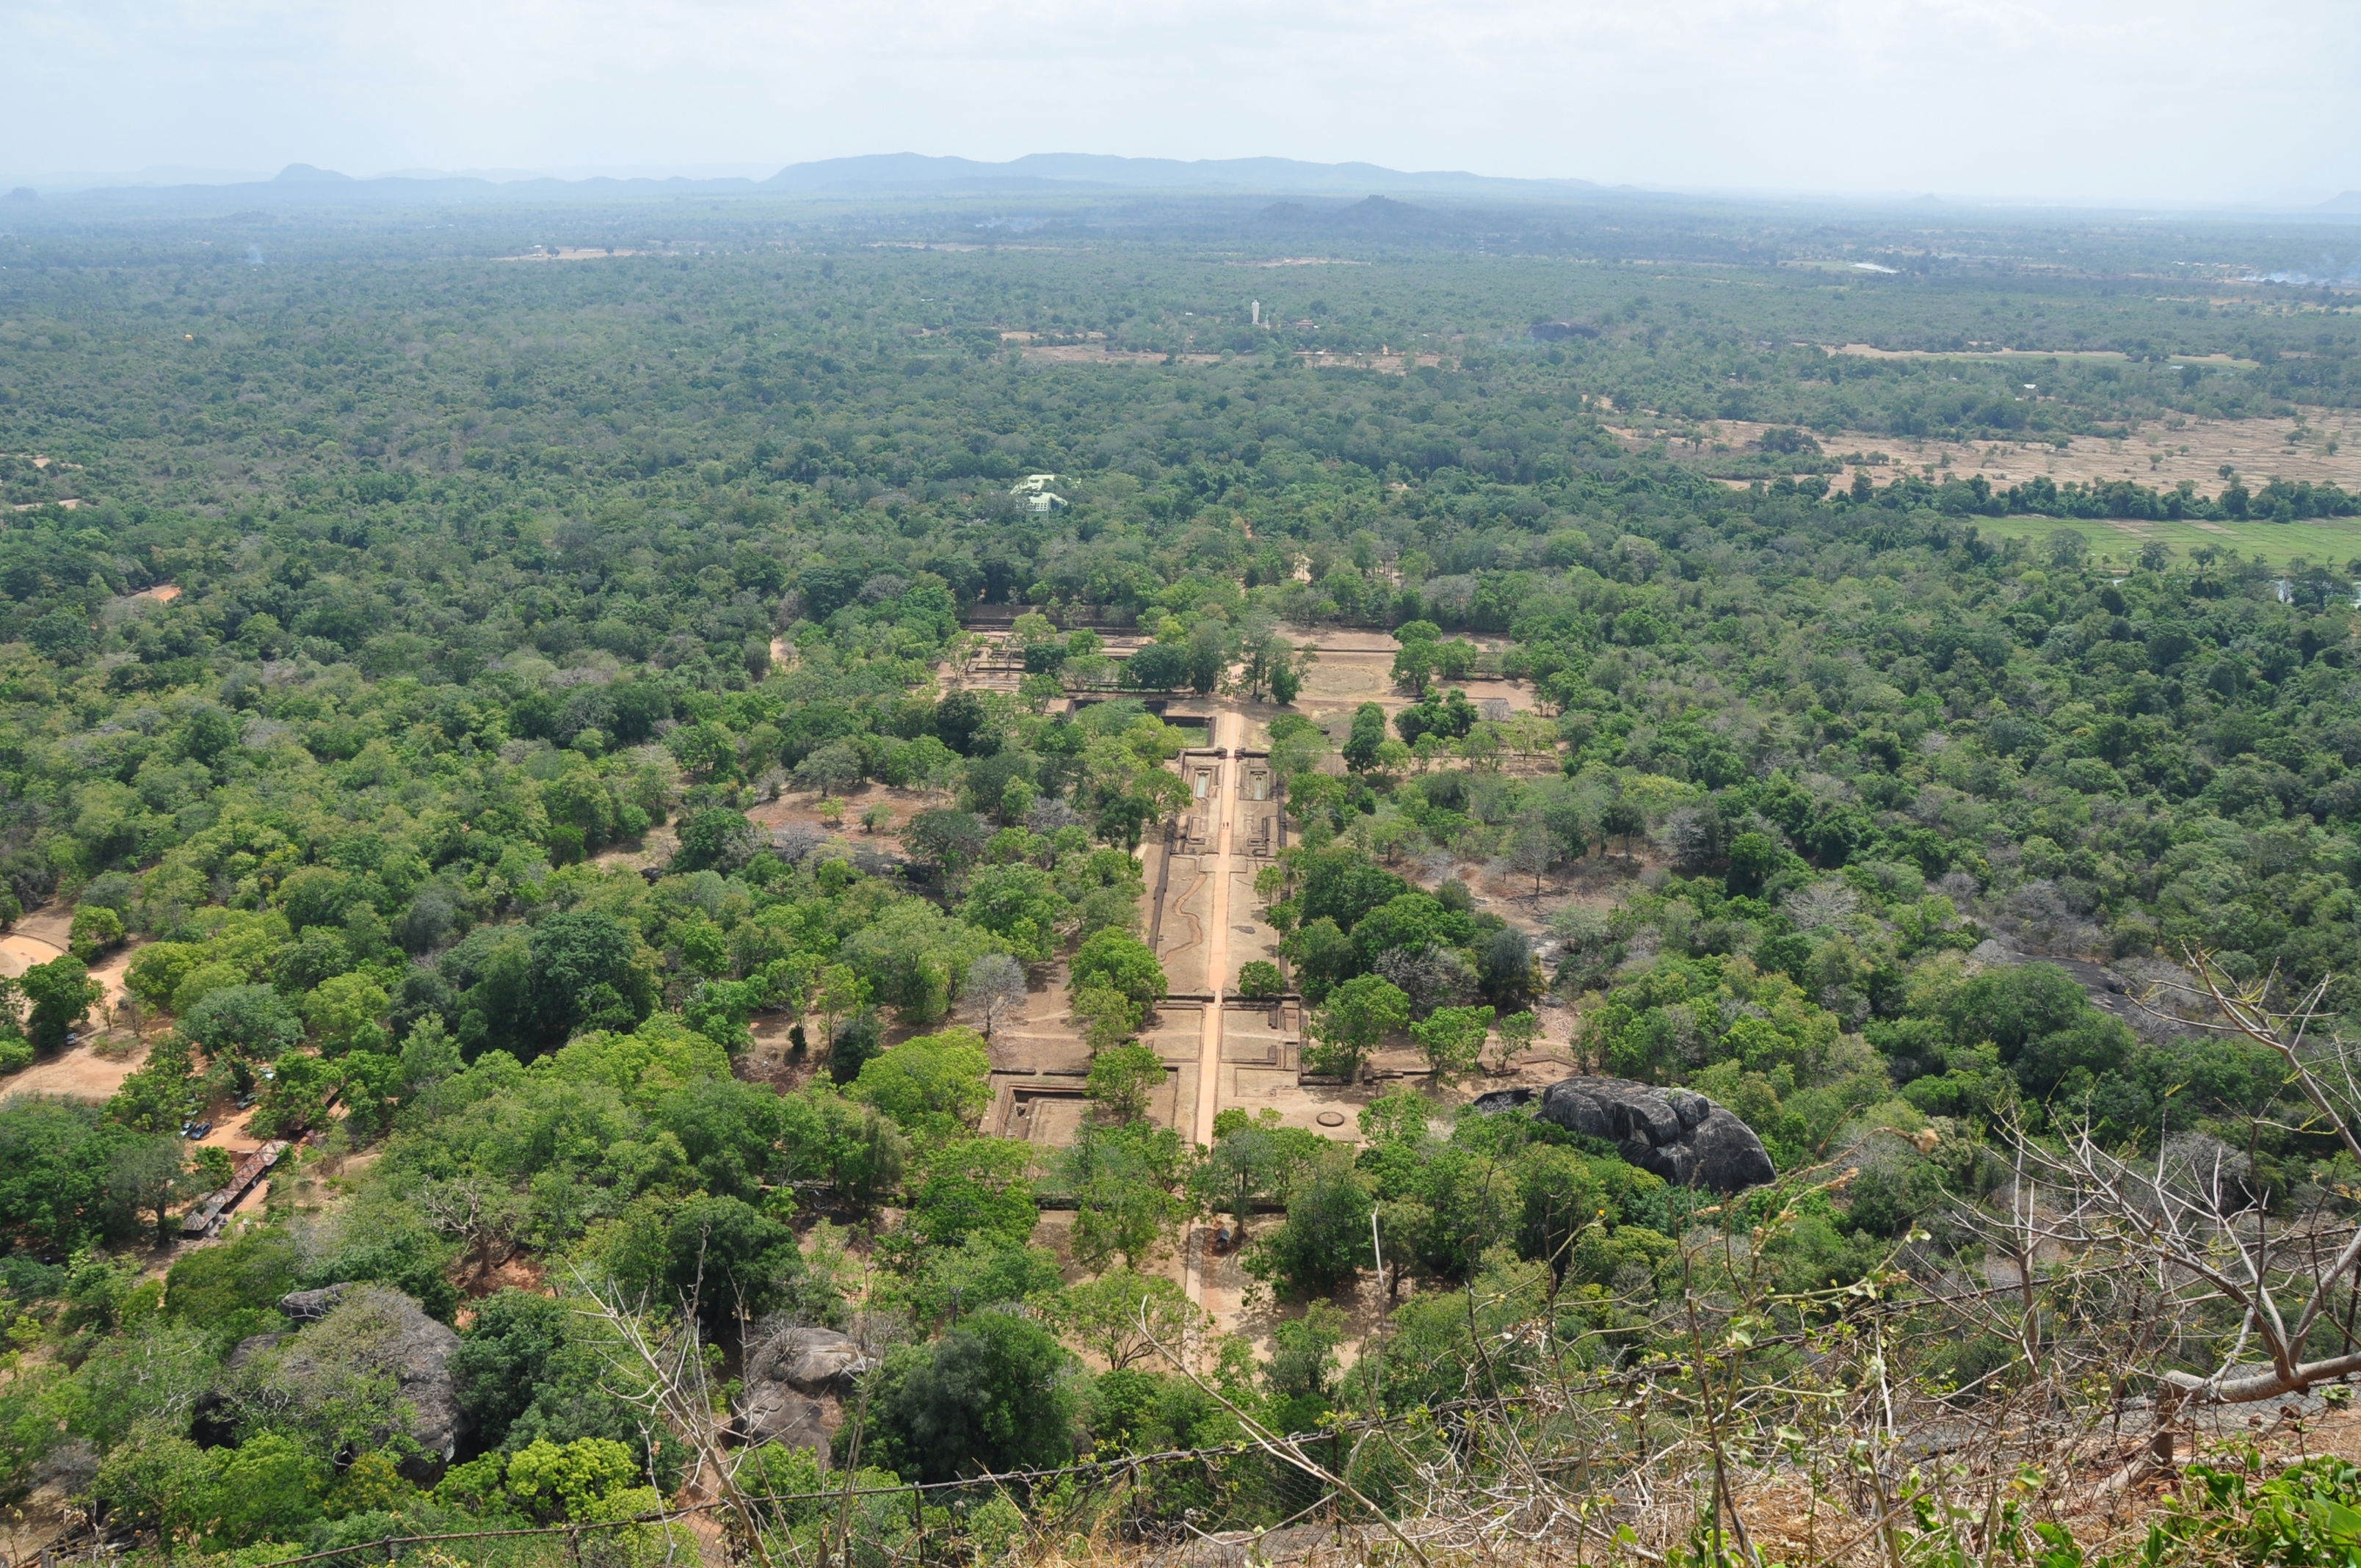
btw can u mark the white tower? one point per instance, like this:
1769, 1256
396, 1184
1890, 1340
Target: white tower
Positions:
1258, 312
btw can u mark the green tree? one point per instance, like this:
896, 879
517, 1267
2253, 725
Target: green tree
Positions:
1453, 1039
1252, 1161
984, 1270
1108, 1017
587, 971
1299, 1380
1125, 1182
1209, 654
151, 1176
573, 1481
59, 995
974, 1187
717, 838
1124, 1317
344, 1014
1019, 904
913, 955
996, 1393
503, 1357
1359, 1015
1367, 734
252, 1022
1259, 980
1326, 1238
1119, 961
934, 1085
1414, 667
1123, 1082
1516, 1033
96, 929
241, 1278
1160, 666
949, 840
836, 993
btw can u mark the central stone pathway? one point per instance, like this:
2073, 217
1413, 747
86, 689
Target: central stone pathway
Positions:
1217, 935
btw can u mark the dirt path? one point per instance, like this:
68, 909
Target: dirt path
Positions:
94, 1066
1217, 938
1196, 1247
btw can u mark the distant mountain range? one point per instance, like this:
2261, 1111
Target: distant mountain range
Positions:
877, 174
889, 175
891, 171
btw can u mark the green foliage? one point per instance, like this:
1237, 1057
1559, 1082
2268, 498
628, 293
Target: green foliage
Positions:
353, 786
1121, 962
1359, 1015
1259, 980
1126, 1318
1681, 1016
984, 1270
933, 1085
96, 929
56, 1158
718, 1258
1326, 1238
1299, 1380
1453, 1039
58, 995
266, 1488
973, 1187
1019, 904
504, 1358
1124, 1182
574, 1482
997, 1392
1123, 1082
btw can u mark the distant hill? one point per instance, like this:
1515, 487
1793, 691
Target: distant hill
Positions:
894, 172
1371, 214
877, 174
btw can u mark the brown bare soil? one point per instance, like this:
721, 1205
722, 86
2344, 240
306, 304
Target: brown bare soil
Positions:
2156, 455
567, 253
84, 1071
1100, 354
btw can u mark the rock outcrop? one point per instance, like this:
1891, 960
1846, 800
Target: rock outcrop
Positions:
355, 1331
1681, 1136
796, 1377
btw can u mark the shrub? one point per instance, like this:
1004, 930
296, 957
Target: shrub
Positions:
1259, 980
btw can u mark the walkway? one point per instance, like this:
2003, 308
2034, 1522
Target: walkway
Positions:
1218, 934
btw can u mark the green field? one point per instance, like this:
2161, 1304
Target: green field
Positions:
2323, 540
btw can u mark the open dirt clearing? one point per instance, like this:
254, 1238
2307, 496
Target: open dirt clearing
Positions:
2155, 456
81, 1072
567, 253
1100, 354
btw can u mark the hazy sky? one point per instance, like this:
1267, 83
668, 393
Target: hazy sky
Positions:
2136, 101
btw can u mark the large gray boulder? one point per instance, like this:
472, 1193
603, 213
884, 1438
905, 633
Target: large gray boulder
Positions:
362, 1349
1681, 1136
796, 1380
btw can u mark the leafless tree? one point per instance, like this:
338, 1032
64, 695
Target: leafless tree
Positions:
1531, 851
2192, 1218
483, 1213
657, 1364
995, 991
